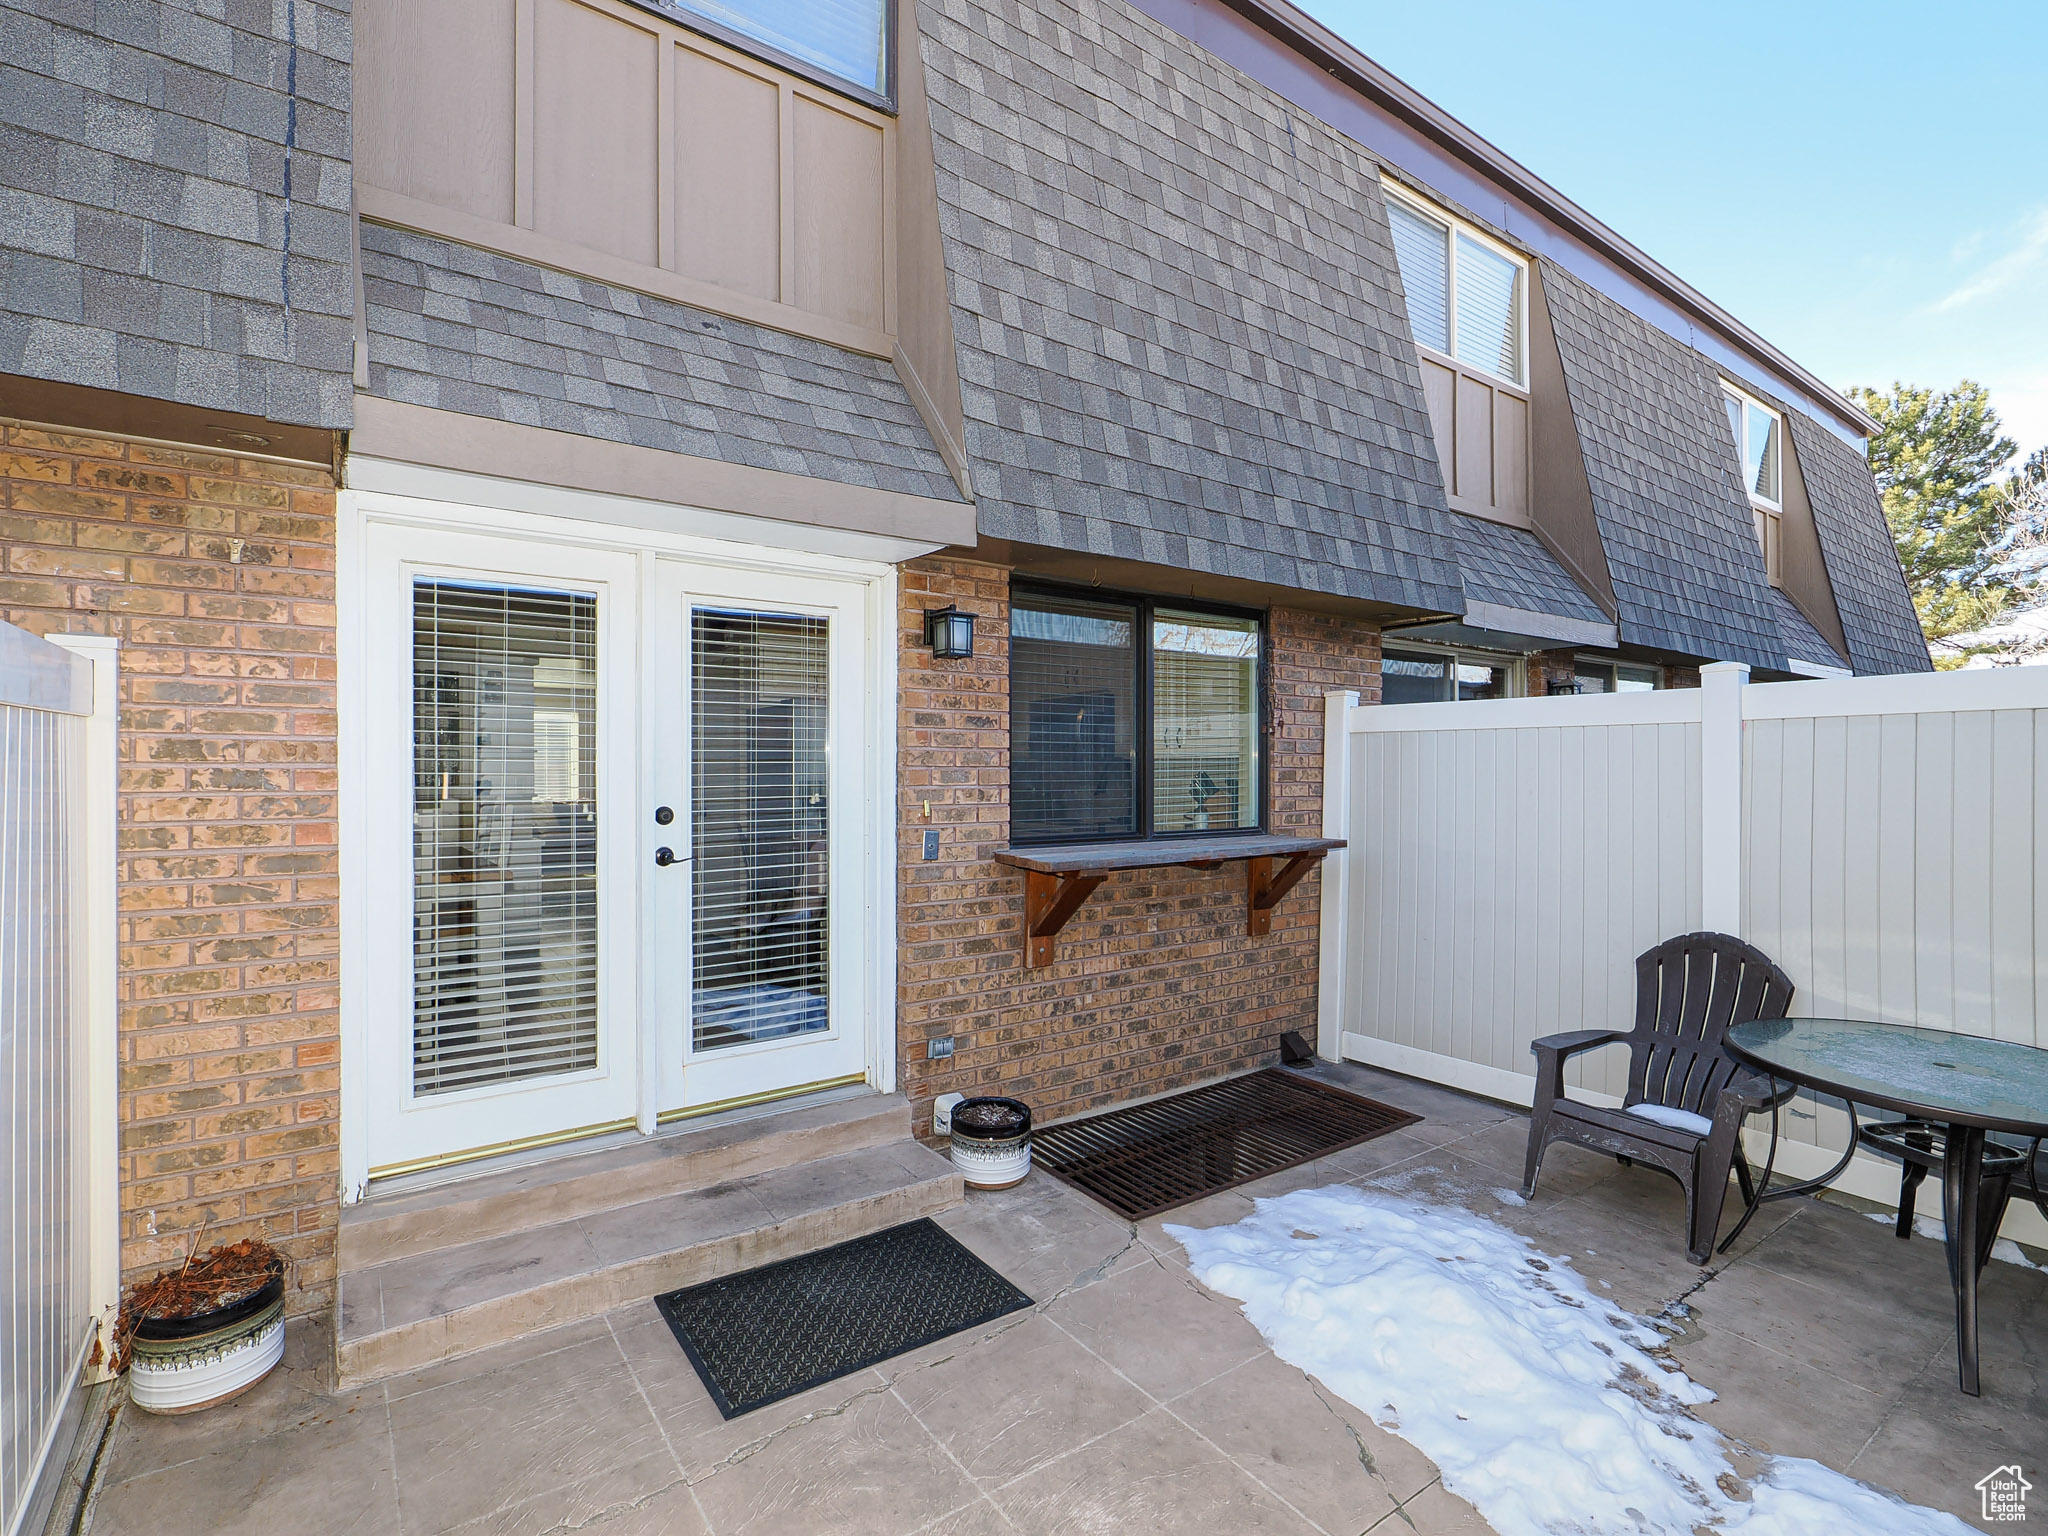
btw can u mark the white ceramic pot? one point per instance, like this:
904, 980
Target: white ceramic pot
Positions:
991, 1142
209, 1365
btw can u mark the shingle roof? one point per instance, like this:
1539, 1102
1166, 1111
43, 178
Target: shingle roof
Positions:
1180, 335
1681, 544
1863, 564
1802, 641
466, 330
146, 191
1510, 567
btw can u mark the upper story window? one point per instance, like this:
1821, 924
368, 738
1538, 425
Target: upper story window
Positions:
1467, 294
1759, 448
847, 40
1130, 718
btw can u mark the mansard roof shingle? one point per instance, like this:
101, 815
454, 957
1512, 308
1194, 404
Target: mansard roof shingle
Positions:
1680, 540
466, 330
1878, 619
1181, 336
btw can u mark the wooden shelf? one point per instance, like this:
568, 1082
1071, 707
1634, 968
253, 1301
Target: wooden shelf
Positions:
1059, 877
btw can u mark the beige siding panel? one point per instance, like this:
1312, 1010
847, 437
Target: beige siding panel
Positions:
728, 158
1511, 456
1475, 442
594, 139
440, 134
840, 248
1440, 391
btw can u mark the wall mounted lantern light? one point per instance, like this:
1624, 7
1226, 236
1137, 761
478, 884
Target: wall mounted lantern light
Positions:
949, 632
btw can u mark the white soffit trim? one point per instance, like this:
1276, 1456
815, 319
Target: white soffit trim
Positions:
1815, 668
1541, 626
389, 477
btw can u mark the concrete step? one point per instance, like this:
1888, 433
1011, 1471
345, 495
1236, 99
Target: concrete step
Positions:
387, 1227
432, 1305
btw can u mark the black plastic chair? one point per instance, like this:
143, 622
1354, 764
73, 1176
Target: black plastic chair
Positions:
1689, 990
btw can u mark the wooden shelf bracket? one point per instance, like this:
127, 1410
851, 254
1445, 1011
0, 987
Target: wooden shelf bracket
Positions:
1049, 900
1263, 888
1059, 877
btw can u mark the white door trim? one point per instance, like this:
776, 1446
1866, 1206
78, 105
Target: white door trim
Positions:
603, 523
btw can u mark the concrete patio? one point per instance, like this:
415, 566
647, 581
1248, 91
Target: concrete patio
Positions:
1129, 1399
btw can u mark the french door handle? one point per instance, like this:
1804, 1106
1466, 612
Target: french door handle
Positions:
667, 856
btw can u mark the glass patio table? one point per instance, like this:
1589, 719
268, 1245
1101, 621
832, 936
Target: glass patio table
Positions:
1951, 1089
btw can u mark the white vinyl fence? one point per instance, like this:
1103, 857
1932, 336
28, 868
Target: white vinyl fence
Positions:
56, 1088
1884, 839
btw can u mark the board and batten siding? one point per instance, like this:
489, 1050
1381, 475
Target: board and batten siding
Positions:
1884, 839
596, 137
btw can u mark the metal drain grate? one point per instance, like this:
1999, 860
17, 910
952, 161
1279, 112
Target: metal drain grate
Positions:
1152, 1157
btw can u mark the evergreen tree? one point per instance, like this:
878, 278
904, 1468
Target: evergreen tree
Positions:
1936, 456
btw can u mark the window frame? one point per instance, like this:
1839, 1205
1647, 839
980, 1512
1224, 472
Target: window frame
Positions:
1517, 666
1768, 515
684, 15
1613, 664
1145, 605
1417, 203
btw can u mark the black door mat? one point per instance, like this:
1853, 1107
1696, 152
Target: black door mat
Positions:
770, 1333
1152, 1157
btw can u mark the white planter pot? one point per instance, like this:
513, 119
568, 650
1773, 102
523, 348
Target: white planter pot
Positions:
993, 1157
185, 1375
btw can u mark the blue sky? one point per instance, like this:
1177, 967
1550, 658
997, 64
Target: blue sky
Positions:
1865, 184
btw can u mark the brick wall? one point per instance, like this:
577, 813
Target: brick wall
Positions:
1156, 984
217, 574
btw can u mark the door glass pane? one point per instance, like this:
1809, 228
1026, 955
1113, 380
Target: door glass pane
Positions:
1205, 722
1073, 719
758, 808
1489, 310
504, 834
1422, 247
1415, 679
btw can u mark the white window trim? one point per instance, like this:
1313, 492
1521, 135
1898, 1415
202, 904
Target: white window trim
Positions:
1401, 192
1735, 392
433, 500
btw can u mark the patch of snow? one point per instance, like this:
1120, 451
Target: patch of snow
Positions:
1509, 1197
1676, 1119
1539, 1402
2005, 1250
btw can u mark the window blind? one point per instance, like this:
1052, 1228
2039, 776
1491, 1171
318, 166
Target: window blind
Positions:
504, 835
759, 822
1205, 722
847, 38
1422, 247
1073, 719
1489, 329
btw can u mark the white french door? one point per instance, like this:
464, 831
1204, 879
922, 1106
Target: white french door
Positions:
624, 843
500, 721
758, 956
